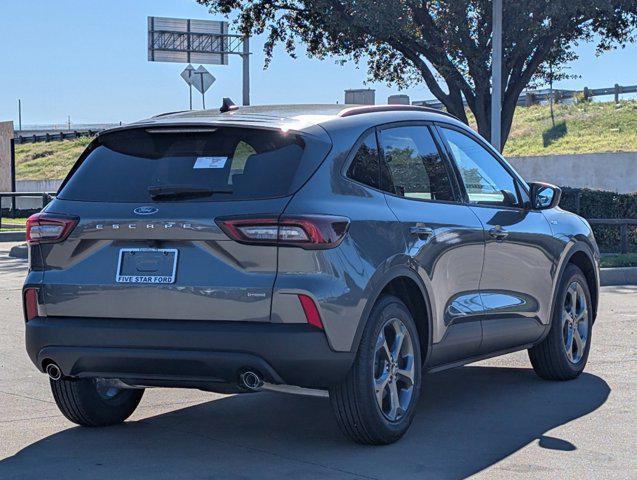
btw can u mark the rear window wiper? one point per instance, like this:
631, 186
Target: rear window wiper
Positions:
180, 192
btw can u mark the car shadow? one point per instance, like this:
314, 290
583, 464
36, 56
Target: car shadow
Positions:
468, 419
10, 264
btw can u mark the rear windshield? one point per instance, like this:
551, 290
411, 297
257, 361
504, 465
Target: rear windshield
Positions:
217, 164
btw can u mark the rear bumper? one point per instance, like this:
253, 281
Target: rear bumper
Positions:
184, 353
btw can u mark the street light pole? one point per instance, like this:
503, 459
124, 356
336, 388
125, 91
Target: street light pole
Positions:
246, 70
496, 75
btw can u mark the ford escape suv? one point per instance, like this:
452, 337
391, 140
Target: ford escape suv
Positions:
346, 250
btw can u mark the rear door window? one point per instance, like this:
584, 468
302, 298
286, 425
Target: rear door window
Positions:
218, 164
414, 166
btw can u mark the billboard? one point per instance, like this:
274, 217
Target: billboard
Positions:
182, 40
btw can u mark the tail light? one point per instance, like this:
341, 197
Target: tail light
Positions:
311, 312
312, 232
30, 303
49, 228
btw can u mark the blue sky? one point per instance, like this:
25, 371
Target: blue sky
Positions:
88, 59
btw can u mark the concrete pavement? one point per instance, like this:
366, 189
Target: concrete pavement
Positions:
494, 419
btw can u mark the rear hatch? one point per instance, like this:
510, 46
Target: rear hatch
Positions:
147, 243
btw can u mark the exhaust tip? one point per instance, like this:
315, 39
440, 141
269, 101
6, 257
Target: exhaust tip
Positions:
251, 380
53, 371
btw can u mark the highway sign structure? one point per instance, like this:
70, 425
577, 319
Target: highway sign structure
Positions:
203, 41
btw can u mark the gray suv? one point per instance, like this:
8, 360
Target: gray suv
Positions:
303, 248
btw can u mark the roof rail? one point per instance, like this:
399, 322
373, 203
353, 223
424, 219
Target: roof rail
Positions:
351, 111
168, 113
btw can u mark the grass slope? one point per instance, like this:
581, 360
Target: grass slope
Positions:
44, 161
580, 128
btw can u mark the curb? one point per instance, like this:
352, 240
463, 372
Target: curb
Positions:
12, 236
618, 276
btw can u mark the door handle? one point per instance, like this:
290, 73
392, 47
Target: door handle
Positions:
421, 231
498, 233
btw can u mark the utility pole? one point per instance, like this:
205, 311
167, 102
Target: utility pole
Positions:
551, 100
19, 115
496, 76
246, 70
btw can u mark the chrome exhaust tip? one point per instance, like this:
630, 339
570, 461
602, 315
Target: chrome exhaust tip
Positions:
251, 380
53, 371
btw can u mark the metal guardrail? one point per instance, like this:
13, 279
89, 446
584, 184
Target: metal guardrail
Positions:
623, 224
52, 137
45, 196
532, 97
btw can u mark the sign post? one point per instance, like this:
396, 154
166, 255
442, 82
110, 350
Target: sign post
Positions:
187, 76
204, 41
202, 80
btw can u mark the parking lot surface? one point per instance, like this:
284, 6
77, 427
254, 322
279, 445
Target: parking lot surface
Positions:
492, 419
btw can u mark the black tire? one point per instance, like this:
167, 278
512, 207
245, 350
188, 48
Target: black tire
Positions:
354, 400
549, 358
80, 401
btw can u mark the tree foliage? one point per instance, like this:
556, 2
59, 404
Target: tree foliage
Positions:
445, 43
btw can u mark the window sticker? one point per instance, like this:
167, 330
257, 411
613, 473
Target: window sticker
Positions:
210, 162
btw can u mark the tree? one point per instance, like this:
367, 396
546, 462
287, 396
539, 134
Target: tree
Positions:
445, 43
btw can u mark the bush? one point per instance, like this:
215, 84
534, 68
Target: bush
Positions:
599, 203
602, 204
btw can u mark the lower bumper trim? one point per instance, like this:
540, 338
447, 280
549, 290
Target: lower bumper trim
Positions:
197, 354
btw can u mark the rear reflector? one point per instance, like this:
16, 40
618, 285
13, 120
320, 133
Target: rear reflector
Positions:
311, 312
30, 302
306, 231
49, 228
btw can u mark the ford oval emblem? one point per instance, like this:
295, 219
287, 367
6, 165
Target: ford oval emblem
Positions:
145, 210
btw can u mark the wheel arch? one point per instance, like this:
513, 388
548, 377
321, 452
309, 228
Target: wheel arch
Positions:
405, 284
581, 256
586, 264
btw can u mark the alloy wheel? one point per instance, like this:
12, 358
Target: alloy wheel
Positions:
106, 390
394, 369
575, 322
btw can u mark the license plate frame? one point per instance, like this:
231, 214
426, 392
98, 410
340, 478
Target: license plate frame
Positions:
146, 279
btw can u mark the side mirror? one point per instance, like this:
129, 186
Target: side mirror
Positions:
544, 195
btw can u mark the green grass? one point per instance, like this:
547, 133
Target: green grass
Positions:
622, 260
15, 221
580, 128
44, 161
12, 221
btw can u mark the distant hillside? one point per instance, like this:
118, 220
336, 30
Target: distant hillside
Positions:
580, 128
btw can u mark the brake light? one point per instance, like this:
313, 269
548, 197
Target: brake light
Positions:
306, 231
311, 312
30, 302
49, 228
